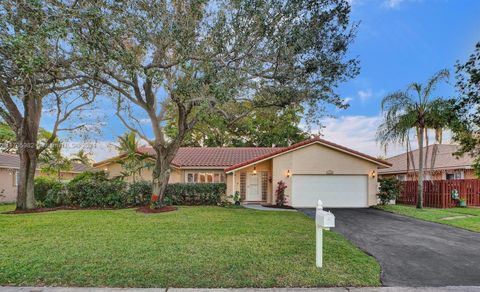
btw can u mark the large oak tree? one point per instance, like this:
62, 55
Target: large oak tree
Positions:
200, 56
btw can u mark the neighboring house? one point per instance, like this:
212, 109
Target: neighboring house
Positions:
9, 165
313, 169
441, 164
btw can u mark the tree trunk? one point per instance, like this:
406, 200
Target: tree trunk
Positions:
420, 169
26, 175
161, 175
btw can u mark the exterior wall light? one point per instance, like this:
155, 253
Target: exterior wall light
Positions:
373, 174
254, 170
289, 173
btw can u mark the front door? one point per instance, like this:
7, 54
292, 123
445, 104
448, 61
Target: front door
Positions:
253, 189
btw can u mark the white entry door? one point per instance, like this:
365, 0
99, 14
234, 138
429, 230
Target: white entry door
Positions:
253, 188
335, 191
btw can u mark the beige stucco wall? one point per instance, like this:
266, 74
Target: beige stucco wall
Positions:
7, 188
319, 159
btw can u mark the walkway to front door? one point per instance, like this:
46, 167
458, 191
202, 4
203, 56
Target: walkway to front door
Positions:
412, 252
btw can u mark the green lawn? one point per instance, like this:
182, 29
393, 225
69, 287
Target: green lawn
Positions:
191, 247
437, 215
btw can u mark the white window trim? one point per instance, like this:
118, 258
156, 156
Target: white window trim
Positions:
221, 177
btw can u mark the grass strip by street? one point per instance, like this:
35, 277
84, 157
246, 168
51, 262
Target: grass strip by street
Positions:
191, 247
466, 218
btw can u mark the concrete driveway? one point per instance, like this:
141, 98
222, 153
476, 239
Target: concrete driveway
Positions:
412, 252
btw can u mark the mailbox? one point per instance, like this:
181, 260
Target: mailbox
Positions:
325, 219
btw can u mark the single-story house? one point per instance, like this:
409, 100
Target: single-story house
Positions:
441, 164
313, 169
9, 165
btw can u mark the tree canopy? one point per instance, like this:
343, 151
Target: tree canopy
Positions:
468, 85
198, 57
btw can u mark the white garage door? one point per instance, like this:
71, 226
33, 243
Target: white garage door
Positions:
349, 191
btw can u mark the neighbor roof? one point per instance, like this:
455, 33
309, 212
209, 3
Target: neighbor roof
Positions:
316, 140
444, 159
12, 161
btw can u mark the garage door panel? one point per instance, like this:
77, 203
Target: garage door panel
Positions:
335, 191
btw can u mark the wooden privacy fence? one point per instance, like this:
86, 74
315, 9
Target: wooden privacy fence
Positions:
437, 193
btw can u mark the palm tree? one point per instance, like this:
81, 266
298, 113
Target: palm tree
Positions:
52, 160
82, 157
411, 109
132, 161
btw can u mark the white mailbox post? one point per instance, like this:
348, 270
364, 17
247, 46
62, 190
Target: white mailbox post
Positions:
323, 220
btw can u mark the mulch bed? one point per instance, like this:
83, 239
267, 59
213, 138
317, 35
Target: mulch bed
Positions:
42, 210
278, 207
148, 210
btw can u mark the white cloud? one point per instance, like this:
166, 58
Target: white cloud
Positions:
99, 150
365, 94
392, 3
347, 100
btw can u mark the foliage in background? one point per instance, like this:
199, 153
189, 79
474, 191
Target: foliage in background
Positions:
53, 162
390, 189
131, 161
468, 85
7, 139
415, 109
257, 127
280, 197
82, 157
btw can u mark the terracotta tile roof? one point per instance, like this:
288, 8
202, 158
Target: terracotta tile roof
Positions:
444, 159
13, 161
304, 143
216, 157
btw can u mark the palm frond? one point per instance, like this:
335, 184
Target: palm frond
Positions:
432, 83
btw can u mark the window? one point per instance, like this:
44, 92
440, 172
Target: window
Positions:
264, 185
202, 177
243, 185
457, 174
402, 177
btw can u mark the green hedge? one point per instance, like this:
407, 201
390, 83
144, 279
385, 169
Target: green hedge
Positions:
42, 185
96, 190
195, 194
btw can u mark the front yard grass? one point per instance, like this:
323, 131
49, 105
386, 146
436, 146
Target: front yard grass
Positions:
191, 247
437, 215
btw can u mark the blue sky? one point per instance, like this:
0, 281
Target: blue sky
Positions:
398, 41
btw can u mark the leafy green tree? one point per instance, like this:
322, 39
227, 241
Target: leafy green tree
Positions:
38, 74
415, 109
468, 85
200, 56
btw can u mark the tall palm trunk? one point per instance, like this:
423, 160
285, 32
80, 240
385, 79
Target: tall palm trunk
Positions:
420, 169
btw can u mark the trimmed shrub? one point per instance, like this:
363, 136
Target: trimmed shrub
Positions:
390, 189
195, 194
139, 193
280, 197
42, 185
95, 189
